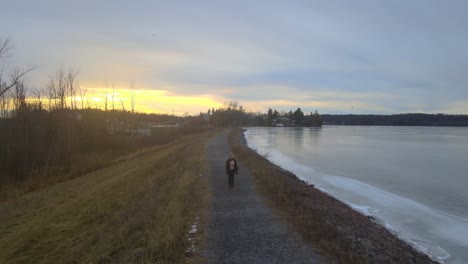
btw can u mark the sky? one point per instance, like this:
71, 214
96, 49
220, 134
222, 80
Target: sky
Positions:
357, 57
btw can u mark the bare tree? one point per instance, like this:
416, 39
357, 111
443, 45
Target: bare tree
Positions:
4, 48
122, 104
19, 97
61, 87
16, 75
52, 92
38, 97
113, 93
105, 99
132, 100
15, 78
233, 105
82, 91
5, 103
71, 85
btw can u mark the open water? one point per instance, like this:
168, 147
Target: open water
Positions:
414, 180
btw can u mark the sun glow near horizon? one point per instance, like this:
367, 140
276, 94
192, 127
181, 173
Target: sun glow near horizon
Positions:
149, 101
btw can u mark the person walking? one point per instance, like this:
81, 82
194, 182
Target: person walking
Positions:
231, 169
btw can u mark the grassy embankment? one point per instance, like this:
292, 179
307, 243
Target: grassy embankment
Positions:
322, 220
109, 150
137, 210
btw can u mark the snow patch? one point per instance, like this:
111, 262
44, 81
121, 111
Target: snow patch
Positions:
192, 248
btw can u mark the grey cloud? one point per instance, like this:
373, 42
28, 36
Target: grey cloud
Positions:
415, 50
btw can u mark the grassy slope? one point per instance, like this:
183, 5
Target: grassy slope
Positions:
135, 211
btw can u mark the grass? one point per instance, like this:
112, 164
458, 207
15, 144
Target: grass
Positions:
122, 148
43, 177
322, 220
137, 210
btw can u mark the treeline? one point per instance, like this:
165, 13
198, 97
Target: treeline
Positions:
296, 118
49, 134
397, 120
38, 145
233, 114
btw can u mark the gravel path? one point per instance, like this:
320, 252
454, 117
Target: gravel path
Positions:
242, 229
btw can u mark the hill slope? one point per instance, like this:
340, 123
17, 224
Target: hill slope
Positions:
138, 210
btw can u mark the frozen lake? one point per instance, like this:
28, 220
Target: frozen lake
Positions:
413, 179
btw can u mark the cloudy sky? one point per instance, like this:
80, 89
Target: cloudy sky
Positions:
185, 56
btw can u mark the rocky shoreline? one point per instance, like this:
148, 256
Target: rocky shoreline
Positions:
323, 220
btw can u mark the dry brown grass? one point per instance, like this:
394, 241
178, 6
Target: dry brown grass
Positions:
43, 177
136, 211
322, 220
87, 162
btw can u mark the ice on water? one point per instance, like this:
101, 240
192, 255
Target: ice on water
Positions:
441, 235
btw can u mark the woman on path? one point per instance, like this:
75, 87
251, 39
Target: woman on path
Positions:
231, 169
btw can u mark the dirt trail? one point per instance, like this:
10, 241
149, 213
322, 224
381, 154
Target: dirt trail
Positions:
242, 228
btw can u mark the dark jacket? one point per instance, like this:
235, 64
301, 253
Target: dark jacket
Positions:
228, 167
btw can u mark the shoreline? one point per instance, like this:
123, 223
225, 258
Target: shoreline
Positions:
323, 220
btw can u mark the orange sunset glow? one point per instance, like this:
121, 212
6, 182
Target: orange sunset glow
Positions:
150, 101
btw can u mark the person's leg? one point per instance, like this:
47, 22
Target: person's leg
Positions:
231, 180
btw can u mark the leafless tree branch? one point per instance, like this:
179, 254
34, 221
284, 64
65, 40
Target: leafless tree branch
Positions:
4, 48
15, 77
